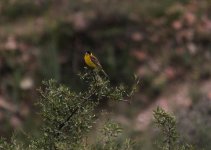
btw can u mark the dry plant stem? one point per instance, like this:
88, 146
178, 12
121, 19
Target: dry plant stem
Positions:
75, 110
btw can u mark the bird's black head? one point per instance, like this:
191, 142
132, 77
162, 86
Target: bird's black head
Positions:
88, 52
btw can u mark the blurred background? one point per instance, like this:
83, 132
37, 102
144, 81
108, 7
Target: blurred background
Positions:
167, 43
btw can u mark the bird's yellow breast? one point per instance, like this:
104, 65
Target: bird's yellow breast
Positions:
88, 61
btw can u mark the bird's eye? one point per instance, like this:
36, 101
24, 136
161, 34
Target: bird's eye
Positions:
88, 52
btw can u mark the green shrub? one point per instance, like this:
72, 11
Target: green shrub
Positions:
170, 137
69, 116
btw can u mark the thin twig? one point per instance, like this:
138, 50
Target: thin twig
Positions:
74, 111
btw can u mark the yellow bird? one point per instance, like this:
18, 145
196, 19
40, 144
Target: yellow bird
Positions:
93, 62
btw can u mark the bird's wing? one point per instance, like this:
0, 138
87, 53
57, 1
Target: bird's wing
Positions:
95, 61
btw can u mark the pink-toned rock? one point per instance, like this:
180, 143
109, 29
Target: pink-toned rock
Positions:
138, 54
137, 36
26, 83
190, 18
170, 73
177, 24
11, 43
79, 21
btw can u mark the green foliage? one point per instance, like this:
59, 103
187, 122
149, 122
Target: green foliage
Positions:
68, 116
167, 124
14, 145
111, 138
